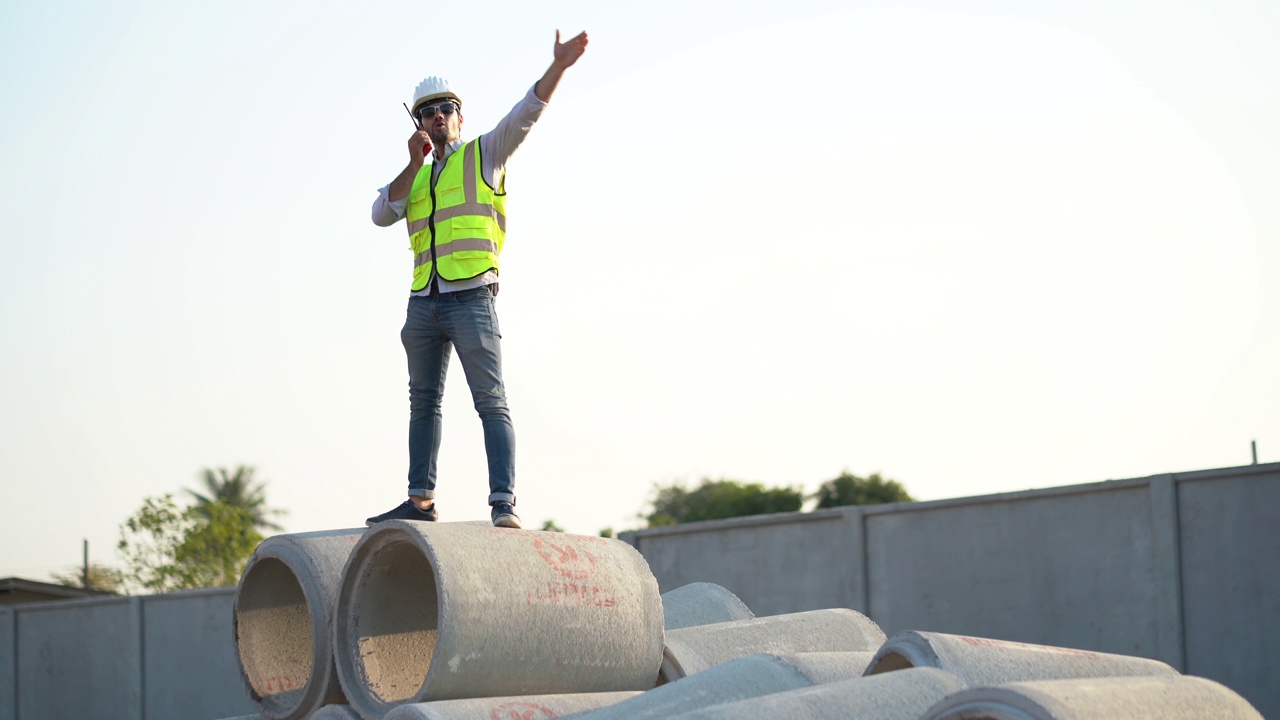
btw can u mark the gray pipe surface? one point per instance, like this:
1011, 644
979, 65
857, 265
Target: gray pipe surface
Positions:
529, 707
1163, 697
892, 696
442, 611
746, 677
983, 661
693, 649
335, 712
284, 622
701, 603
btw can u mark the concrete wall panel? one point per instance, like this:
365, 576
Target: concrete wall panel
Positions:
8, 669
1230, 535
1070, 568
80, 659
189, 656
775, 563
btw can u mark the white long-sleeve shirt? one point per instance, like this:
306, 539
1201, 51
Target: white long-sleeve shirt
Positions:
496, 147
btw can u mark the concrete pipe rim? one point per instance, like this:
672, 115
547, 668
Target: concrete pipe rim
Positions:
286, 565
903, 652
370, 607
670, 670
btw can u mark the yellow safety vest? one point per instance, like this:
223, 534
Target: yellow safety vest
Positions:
457, 223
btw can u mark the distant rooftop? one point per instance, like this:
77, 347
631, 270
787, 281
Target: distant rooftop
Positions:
14, 590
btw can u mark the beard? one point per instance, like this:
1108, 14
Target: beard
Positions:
444, 134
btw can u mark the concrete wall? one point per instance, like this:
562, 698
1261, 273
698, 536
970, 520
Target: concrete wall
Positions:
141, 658
1180, 568
80, 659
1230, 536
189, 656
797, 549
8, 653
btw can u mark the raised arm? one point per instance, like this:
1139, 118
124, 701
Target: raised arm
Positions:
565, 54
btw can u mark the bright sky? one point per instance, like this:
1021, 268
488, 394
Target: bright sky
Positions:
977, 247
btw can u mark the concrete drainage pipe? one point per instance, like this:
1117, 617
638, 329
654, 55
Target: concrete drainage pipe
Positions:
533, 707
891, 696
701, 603
752, 679
983, 661
693, 649
283, 622
441, 611
1132, 698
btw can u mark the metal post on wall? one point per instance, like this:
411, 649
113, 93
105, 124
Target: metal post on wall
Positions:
1254, 444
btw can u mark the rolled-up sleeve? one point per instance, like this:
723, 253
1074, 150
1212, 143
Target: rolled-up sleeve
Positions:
499, 144
386, 212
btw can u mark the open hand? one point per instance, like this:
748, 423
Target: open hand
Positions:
568, 52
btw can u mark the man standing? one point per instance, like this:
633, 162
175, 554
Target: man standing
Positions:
455, 206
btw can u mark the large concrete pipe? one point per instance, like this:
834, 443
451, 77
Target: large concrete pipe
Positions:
701, 603
1165, 697
982, 661
335, 712
443, 611
891, 696
284, 622
693, 649
529, 707
746, 677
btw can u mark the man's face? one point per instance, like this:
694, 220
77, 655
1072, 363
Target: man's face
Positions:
442, 119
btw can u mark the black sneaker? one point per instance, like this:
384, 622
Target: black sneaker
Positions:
504, 516
406, 511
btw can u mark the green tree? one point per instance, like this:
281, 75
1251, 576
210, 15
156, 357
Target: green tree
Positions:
716, 499
551, 526
237, 489
849, 489
101, 577
168, 548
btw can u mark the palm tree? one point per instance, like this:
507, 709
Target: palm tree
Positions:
237, 489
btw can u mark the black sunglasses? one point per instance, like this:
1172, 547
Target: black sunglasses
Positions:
425, 112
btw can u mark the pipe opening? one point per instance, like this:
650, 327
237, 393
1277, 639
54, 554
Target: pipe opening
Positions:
396, 622
274, 635
890, 662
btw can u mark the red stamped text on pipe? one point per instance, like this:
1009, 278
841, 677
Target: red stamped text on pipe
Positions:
555, 593
520, 710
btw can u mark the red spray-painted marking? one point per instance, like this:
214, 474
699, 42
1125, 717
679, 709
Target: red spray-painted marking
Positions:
565, 559
281, 683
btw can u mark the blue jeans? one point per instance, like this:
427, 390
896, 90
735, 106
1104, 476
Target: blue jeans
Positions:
432, 328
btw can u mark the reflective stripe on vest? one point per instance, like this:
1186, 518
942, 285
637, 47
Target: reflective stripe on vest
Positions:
457, 223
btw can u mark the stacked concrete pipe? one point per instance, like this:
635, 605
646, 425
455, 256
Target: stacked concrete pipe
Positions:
983, 661
891, 696
746, 677
335, 712
701, 603
693, 649
530, 707
1164, 697
442, 611
284, 622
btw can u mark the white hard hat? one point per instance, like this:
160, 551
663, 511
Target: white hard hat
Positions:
433, 88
